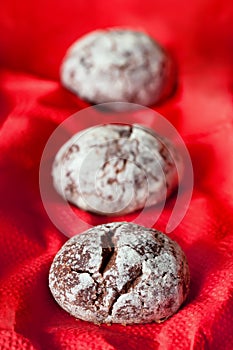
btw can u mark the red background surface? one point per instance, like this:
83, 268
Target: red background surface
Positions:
33, 39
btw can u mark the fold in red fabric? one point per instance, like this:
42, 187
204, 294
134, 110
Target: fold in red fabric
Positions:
33, 39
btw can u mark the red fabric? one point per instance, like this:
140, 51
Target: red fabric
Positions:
33, 40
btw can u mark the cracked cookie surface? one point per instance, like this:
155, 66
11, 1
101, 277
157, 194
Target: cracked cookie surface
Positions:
116, 169
118, 65
120, 273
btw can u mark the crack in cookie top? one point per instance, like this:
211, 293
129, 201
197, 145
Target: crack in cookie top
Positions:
116, 169
120, 273
118, 65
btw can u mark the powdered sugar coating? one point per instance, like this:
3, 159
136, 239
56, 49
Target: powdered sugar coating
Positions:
118, 65
120, 273
116, 169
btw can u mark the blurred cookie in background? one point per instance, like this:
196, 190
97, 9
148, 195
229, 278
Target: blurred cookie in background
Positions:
118, 65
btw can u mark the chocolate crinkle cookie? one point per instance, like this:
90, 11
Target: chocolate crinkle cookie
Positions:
118, 65
116, 169
120, 273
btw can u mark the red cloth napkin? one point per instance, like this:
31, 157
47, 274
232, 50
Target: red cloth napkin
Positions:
33, 39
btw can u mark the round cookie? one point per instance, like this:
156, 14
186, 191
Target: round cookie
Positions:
116, 169
120, 273
118, 65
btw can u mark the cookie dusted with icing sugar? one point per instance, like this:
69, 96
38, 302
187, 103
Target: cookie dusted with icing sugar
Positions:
116, 169
118, 65
120, 273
